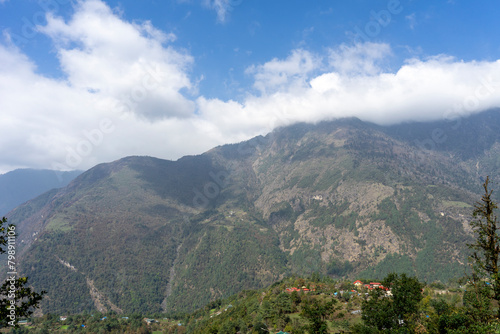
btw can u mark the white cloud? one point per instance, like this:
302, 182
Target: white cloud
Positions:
122, 94
115, 70
279, 74
100, 52
421, 90
359, 58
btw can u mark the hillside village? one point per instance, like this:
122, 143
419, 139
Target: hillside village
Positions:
279, 308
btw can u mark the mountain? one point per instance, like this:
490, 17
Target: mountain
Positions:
21, 185
343, 198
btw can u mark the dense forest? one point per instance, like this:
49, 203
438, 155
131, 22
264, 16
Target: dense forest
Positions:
316, 304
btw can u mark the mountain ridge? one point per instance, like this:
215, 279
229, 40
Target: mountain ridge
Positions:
21, 185
342, 198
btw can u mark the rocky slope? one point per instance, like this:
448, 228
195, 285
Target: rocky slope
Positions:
342, 198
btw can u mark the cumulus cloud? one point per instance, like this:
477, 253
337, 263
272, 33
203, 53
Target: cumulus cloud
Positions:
101, 53
420, 90
122, 93
352, 82
120, 73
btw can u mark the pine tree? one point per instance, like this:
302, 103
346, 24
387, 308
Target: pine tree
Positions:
486, 248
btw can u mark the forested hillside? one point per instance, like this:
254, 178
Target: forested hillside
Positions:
343, 198
300, 305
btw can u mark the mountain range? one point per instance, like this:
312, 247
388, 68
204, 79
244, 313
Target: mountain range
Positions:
344, 198
21, 185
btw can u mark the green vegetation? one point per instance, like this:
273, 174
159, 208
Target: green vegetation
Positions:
224, 261
403, 311
391, 263
17, 299
59, 224
343, 198
455, 204
90, 323
411, 309
316, 304
329, 179
486, 249
338, 268
411, 214
313, 308
397, 311
307, 181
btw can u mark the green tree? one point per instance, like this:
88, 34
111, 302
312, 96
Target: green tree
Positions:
283, 304
398, 311
476, 302
17, 299
378, 312
259, 327
316, 312
407, 294
486, 248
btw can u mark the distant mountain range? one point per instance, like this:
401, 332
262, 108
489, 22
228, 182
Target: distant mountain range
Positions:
21, 185
344, 198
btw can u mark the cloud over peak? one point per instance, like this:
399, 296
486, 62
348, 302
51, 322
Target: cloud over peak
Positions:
127, 90
351, 80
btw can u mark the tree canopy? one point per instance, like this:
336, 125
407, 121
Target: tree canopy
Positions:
385, 311
486, 248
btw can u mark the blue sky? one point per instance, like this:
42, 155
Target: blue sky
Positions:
84, 82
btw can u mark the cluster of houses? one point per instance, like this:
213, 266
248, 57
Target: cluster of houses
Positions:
372, 285
304, 288
358, 284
